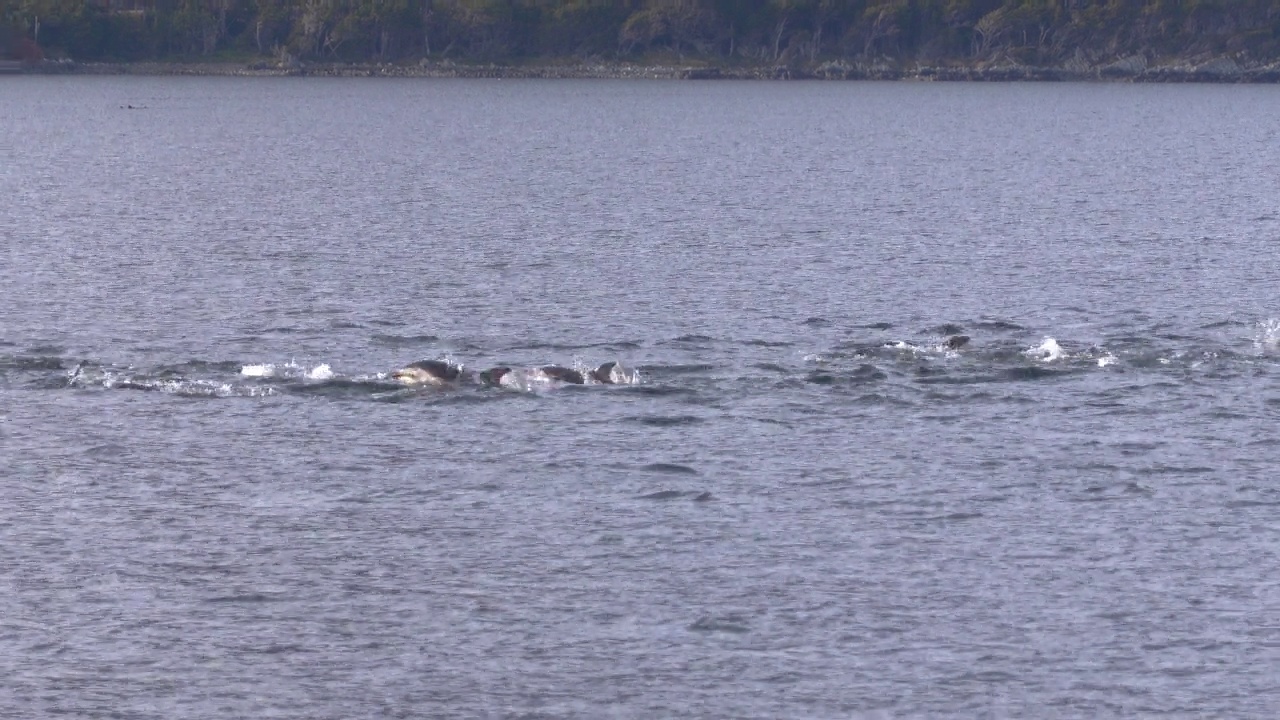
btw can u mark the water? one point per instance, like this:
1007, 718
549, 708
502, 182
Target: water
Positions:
217, 504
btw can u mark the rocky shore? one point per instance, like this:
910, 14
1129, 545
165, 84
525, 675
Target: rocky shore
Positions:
1136, 68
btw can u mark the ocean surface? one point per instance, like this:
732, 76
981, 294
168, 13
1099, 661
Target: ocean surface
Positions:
216, 502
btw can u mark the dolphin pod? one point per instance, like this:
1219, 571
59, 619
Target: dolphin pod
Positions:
444, 373
440, 372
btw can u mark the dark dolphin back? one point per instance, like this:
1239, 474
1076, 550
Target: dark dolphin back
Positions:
438, 368
604, 373
493, 376
563, 374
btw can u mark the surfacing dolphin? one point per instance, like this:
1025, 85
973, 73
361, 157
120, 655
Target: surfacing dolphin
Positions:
429, 372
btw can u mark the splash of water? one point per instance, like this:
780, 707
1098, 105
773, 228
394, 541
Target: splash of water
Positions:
1266, 338
320, 372
1047, 351
290, 369
258, 371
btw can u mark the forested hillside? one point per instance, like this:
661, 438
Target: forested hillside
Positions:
723, 32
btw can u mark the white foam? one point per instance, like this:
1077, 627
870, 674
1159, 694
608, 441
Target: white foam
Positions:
1267, 337
258, 371
111, 380
526, 380
620, 375
320, 372
290, 369
1106, 360
74, 373
1047, 351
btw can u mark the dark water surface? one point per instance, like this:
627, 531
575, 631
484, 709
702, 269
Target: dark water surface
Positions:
216, 503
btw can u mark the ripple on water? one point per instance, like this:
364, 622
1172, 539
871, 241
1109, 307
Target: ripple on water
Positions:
733, 624
393, 340
665, 420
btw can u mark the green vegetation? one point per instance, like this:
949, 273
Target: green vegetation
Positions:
724, 32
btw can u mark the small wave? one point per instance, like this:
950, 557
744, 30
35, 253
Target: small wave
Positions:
998, 325
664, 420
204, 366
616, 346
878, 399
393, 340
728, 624
957, 379
46, 350
865, 373
648, 390
670, 468
31, 362
250, 597
679, 369
954, 517
340, 387
1031, 373
662, 495
1219, 324
695, 495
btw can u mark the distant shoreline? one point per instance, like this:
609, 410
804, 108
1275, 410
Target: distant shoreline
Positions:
1135, 69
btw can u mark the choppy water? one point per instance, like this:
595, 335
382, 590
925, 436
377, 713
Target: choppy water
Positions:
216, 503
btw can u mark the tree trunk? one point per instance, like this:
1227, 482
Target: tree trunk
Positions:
426, 27
777, 38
